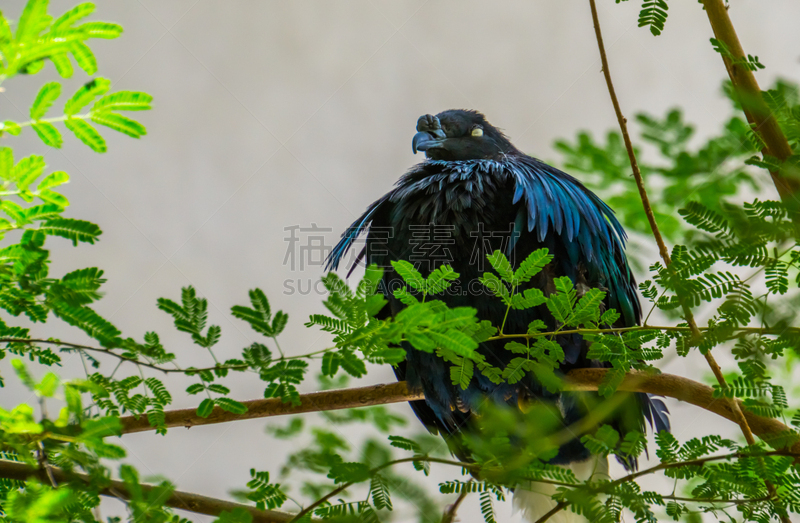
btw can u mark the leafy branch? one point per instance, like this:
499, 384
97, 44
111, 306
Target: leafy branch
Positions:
160, 494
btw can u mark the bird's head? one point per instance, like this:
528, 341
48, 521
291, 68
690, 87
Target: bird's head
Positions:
460, 134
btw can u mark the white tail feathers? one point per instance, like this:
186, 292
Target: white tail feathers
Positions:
534, 500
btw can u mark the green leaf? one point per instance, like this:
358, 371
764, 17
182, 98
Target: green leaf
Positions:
230, 405
609, 317
62, 64
440, 279
563, 301
379, 490
27, 170
611, 381
260, 316
461, 374
123, 101
219, 389
159, 390
54, 198
12, 128
53, 179
349, 473
487, 507
32, 20
119, 123
516, 347
528, 299
86, 94
205, 408
588, 308
501, 264
106, 30
6, 163
546, 377
14, 210
420, 341
66, 20
195, 388
84, 57
5, 30
87, 134
653, 15
515, 370
48, 134
410, 275
351, 364
330, 363
404, 443
75, 230
47, 95
495, 286
454, 340
48, 385
532, 265
88, 321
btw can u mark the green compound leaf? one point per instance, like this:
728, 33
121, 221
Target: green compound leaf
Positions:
66, 20
62, 64
205, 408
410, 275
461, 374
119, 123
231, 405
12, 128
97, 87
75, 230
47, 95
48, 134
87, 134
84, 57
53, 179
106, 30
53, 197
501, 264
123, 101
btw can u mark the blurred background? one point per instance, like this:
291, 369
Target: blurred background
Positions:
276, 116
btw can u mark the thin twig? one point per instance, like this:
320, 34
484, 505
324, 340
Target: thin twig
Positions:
662, 247
123, 359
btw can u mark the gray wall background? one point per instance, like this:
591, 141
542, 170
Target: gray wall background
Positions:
276, 113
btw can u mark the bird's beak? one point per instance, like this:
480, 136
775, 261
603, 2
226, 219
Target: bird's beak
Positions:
427, 140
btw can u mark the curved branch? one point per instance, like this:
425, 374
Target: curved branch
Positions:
668, 385
179, 500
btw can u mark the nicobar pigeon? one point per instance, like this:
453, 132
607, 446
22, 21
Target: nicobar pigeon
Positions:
478, 189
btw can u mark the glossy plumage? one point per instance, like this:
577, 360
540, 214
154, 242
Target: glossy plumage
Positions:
487, 195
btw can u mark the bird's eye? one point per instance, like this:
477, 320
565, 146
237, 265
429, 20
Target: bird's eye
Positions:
477, 131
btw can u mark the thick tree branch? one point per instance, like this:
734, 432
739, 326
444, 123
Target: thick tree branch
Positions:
755, 109
117, 489
668, 385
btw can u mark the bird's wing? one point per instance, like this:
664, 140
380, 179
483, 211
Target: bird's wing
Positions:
349, 236
552, 201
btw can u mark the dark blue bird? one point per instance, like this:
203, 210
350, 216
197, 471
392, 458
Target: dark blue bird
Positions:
476, 193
